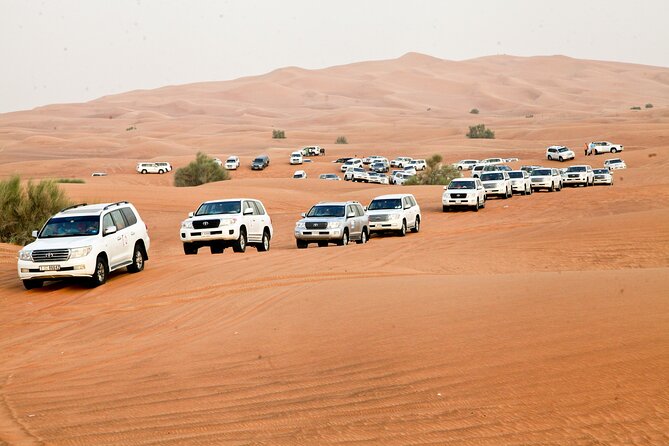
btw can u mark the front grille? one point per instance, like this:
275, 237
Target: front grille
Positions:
488, 185
458, 195
51, 255
316, 224
537, 180
381, 217
573, 175
205, 224
600, 177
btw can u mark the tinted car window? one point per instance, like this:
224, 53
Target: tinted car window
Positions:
259, 210
107, 221
119, 221
129, 216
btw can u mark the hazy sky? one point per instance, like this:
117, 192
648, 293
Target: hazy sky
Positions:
73, 51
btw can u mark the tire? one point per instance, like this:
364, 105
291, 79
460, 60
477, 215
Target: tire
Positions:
344, 239
477, 206
161, 171
144, 171
363, 238
240, 243
101, 272
559, 187
264, 243
301, 244
483, 203
550, 158
322, 244
614, 150
137, 264
444, 208
190, 248
217, 248
403, 230
561, 159
552, 189
30, 284
416, 225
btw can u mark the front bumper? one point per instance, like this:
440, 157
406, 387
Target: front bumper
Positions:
209, 235
547, 184
318, 234
389, 225
469, 200
579, 180
79, 267
604, 180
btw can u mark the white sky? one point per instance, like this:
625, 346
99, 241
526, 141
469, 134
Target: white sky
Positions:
77, 50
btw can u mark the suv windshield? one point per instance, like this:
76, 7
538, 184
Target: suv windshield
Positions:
576, 169
601, 170
71, 226
492, 176
541, 172
390, 203
462, 185
326, 211
220, 207
516, 174
562, 149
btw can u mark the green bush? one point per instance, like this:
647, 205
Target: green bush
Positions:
635, 108
474, 111
278, 134
341, 140
201, 171
649, 105
132, 127
434, 173
479, 131
26, 208
70, 180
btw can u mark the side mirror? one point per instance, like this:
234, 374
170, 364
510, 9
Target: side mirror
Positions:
248, 211
365, 208
350, 215
303, 214
407, 206
34, 234
110, 230
190, 214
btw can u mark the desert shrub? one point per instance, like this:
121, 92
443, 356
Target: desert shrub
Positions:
278, 134
649, 105
201, 171
636, 107
70, 180
132, 127
434, 173
474, 111
341, 140
25, 208
529, 116
479, 131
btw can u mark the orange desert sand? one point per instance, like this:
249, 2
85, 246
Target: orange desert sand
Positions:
540, 320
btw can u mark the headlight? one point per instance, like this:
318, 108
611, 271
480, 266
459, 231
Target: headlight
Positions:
228, 221
334, 224
187, 224
300, 225
80, 252
26, 255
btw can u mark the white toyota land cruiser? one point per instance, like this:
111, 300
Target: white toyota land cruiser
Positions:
86, 241
219, 224
397, 213
467, 192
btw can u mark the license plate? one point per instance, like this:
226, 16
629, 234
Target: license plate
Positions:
49, 268
205, 233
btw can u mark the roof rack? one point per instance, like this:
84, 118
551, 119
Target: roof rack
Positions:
73, 206
118, 203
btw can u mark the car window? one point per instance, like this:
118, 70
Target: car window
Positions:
260, 210
247, 205
129, 216
107, 221
119, 221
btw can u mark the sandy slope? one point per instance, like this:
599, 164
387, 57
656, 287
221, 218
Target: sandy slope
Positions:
539, 320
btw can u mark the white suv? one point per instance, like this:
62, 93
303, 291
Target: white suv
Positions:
232, 163
397, 213
160, 167
417, 164
497, 183
336, 222
546, 178
615, 164
86, 241
222, 223
576, 175
356, 174
520, 182
559, 153
465, 164
467, 192
605, 147
353, 162
400, 161
296, 158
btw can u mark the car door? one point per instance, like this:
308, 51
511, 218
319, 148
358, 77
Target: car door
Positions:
409, 212
353, 222
113, 242
250, 221
361, 217
122, 236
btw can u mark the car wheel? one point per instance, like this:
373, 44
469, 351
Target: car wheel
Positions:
550, 158
614, 150
416, 225
322, 244
264, 244
444, 208
190, 248
217, 248
559, 188
301, 244
161, 171
552, 189
101, 272
403, 230
144, 171
477, 206
240, 243
363, 238
459, 167
344, 239
137, 264
30, 284
561, 159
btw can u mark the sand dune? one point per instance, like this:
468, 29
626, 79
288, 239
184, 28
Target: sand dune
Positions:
539, 320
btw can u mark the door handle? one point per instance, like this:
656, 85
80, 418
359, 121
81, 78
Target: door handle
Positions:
132, 233
119, 238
